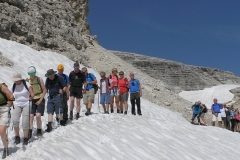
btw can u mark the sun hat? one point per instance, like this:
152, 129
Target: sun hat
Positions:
50, 72
198, 103
17, 77
76, 65
114, 69
60, 67
31, 71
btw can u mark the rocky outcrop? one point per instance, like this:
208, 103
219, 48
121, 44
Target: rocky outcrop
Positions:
57, 25
178, 76
5, 62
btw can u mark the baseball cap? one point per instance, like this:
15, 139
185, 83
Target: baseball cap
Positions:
31, 71
76, 65
60, 67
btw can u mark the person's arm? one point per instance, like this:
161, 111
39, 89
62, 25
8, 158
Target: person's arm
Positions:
9, 94
226, 103
30, 90
44, 91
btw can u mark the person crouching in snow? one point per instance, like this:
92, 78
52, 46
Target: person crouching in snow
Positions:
197, 107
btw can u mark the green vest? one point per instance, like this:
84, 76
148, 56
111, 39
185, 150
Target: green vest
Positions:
3, 100
36, 88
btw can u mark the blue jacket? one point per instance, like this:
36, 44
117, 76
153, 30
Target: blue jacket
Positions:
216, 107
197, 109
232, 114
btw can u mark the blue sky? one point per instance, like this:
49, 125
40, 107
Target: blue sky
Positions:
196, 32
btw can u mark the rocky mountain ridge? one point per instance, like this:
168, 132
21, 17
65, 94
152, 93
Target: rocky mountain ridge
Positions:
178, 76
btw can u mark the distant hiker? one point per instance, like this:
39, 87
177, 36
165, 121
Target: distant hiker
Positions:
237, 117
55, 86
228, 122
202, 114
77, 79
65, 95
23, 94
135, 94
88, 97
123, 91
113, 79
197, 107
224, 116
216, 112
104, 92
6, 98
232, 118
38, 101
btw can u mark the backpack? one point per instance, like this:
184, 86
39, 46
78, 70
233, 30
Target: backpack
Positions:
4, 95
95, 86
54, 82
205, 110
24, 83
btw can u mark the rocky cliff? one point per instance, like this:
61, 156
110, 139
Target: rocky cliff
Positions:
57, 25
178, 76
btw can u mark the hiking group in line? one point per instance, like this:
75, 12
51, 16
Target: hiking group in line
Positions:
27, 98
227, 117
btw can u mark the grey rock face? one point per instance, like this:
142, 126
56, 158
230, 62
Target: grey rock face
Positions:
178, 76
46, 24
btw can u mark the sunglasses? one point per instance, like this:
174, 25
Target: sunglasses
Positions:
121, 74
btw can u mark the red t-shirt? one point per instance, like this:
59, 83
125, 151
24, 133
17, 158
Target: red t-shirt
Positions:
123, 85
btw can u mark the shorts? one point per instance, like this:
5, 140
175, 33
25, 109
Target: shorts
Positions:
224, 119
237, 121
114, 92
38, 109
76, 92
202, 115
4, 116
89, 96
219, 118
105, 98
19, 111
123, 97
54, 105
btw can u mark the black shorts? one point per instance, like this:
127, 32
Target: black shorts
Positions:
38, 109
76, 92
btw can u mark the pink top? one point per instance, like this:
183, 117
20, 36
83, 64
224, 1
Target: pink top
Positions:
113, 81
237, 116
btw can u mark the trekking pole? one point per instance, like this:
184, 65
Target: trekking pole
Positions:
9, 118
29, 109
60, 105
98, 102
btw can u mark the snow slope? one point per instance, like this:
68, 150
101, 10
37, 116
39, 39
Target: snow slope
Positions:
206, 96
159, 134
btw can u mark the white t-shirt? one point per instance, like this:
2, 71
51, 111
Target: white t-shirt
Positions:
223, 113
21, 95
104, 87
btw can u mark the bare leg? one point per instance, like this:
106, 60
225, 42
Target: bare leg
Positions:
220, 124
111, 102
204, 121
78, 105
104, 107
213, 123
117, 102
107, 107
50, 117
31, 121
4, 136
16, 129
39, 121
25, 133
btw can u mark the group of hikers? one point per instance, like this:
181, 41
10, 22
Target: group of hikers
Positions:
27, 98
227, 116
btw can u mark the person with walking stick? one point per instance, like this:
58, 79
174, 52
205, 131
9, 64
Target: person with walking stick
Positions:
6, 98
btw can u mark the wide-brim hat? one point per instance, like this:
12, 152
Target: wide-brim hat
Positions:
17, 77
50, 72
114, 69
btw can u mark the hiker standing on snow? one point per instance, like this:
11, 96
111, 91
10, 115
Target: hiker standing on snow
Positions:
202, 114
77, 79
55, 86
5, 103
38, 101
232, 118
23, 94
135, 94
104, 92
113, 79
224, 116
123, 86
65, 95
228, 121
197, 107
88, 97
216, 112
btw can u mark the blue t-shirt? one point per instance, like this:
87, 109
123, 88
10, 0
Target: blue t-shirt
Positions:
54, 85
216, 107
88, 79
197, 109
65, 78
134, 85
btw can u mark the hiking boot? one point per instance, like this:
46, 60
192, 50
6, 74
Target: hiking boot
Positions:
5, 153
57, 119
125, 112
17, 140
25, 141
62, 123
121, 112
139, 114
133, 113
49, 127
118, 111
39, 132
112, 110
77, 116
30, 133
71, 115
88, 112
106, 112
